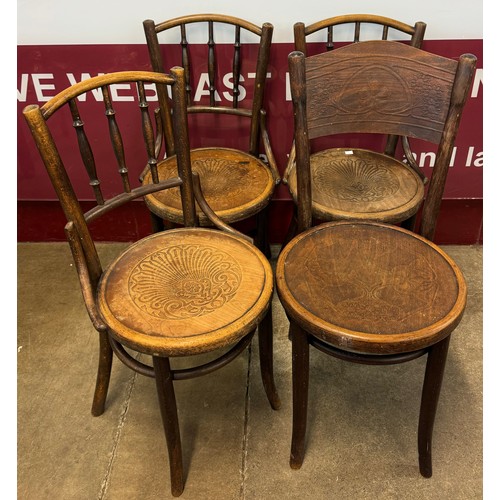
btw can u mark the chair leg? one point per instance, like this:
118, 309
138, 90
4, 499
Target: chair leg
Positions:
262, 235
168, 408
265, 333
103, 374
410, 223
292, 229
434, 371
300, 389
157, 224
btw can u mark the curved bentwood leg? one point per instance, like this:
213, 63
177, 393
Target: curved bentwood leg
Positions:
434, 371
103, 374
300, 380
168, 408
265, 332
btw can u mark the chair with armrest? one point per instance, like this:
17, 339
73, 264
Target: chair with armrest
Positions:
365, 291
330, 34
238, 184
180, 292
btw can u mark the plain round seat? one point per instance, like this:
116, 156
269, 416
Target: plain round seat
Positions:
360, 184
370, 288
235, 184
185, 291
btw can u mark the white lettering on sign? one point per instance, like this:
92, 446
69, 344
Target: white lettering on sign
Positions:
478, 80
428, 158
43, 84
41, 88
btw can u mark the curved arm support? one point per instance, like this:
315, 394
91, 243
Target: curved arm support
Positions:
290, 164
411, 159
267, 148
86, 285
207, 210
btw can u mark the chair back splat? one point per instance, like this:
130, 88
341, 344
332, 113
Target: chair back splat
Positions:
179, 292
238, 183
355, 288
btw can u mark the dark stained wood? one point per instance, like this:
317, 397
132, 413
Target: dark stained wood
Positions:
357, 289
212, 24
369, 293
396, 211
378, 87
386, 287
178, 292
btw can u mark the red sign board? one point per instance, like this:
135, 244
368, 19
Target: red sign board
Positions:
43, 71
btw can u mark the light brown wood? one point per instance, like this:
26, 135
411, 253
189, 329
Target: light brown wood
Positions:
185, 291
175, 293
235, 184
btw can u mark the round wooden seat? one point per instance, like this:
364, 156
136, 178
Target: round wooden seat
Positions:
185, 291
370, 288
235, 184
361, 184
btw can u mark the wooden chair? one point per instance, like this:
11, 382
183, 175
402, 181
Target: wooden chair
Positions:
180, 292
237, 183
365, 291
328, 161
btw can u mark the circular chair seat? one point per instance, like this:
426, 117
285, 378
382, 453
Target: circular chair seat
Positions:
370, 288
361, 184
235, 184
185, 291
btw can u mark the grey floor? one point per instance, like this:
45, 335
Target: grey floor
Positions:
362, 428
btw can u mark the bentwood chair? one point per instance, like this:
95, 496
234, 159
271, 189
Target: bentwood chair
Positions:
225, 84
364, 291
180, 292
330, 34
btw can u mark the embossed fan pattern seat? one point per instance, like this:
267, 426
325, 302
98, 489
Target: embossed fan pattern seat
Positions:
185, 291
246, 186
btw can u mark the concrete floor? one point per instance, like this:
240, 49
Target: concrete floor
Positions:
362, 427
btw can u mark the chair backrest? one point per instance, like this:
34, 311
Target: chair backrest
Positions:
380, 87
215, 67
387, 28
65, 159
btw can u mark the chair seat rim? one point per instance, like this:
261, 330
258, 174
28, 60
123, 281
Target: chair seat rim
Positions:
363, 342
230, 215
201, 342
393, 215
